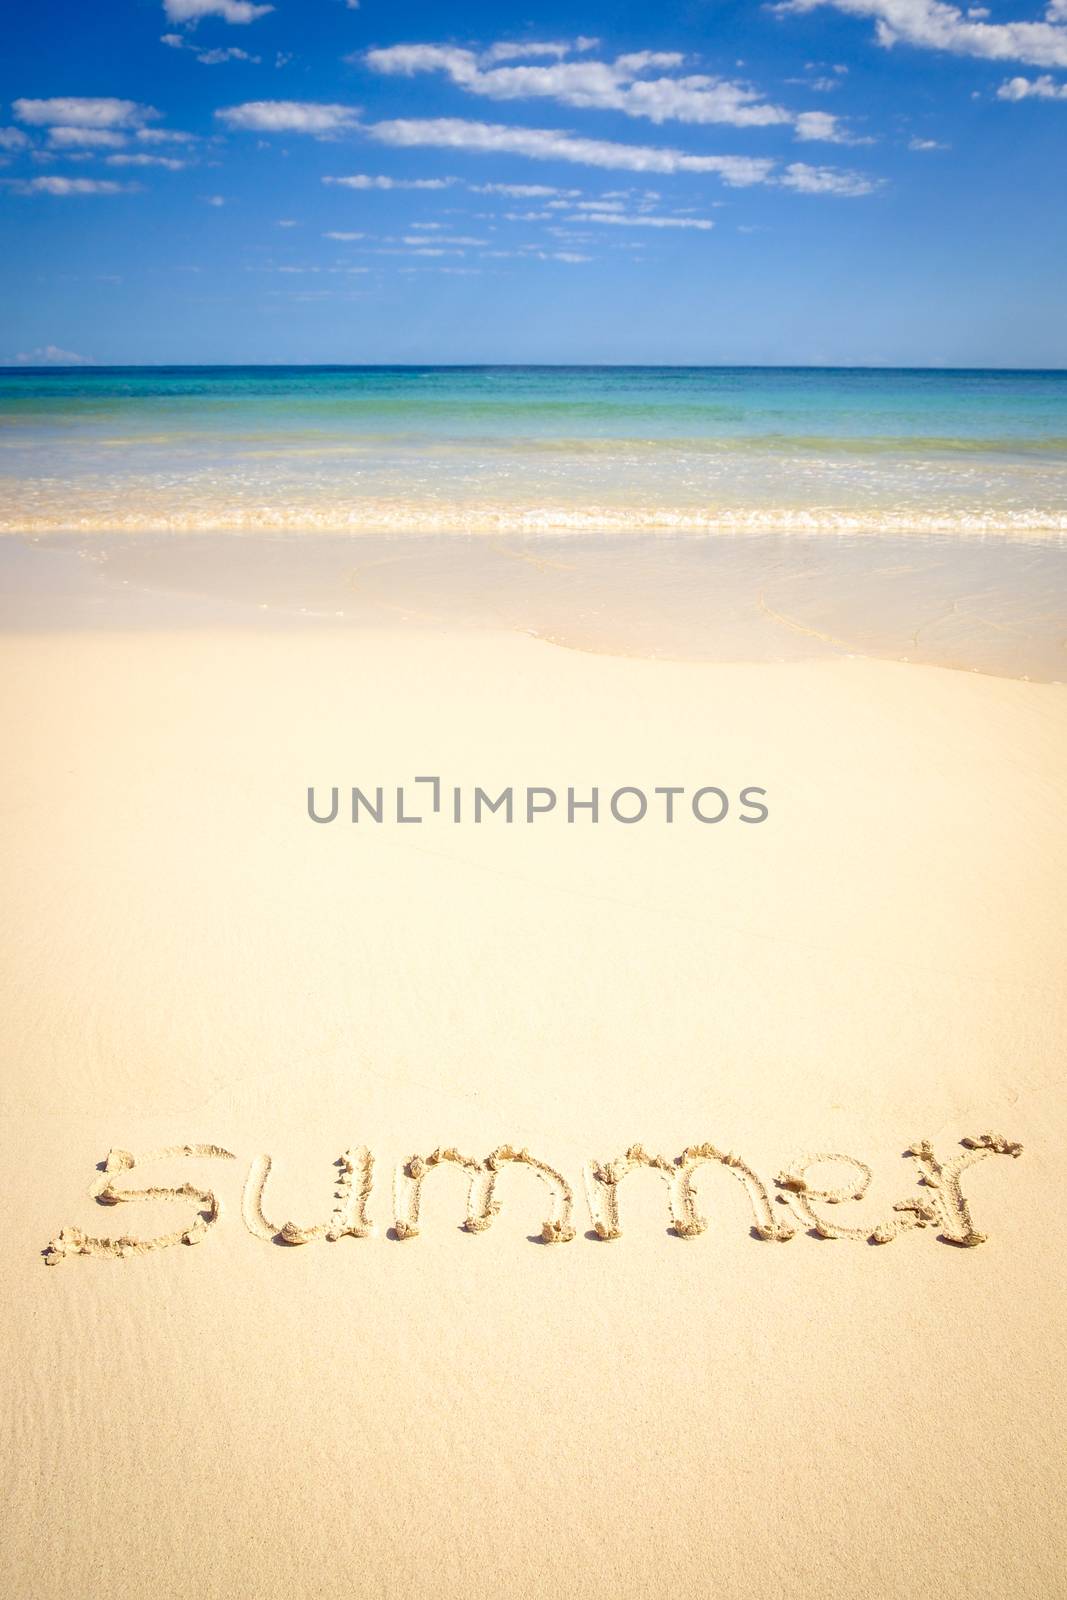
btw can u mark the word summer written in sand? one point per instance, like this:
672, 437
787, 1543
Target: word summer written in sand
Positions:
801, 1198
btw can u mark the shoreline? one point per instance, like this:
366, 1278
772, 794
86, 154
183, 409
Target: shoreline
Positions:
460, 517
990, 607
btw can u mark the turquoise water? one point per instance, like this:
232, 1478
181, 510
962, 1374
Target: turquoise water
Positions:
469, 450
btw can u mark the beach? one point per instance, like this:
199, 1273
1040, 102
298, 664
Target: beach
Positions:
659, 1063
191, 959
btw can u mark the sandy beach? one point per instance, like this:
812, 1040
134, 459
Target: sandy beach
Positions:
533, 878
189, 959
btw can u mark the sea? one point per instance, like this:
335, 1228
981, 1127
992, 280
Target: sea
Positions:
726, 513
513, 449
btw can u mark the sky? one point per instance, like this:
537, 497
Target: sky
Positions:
829, 182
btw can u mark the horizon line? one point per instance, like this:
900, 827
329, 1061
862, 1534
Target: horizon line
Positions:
58, 368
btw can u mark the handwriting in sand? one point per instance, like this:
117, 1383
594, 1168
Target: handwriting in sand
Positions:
804, 1202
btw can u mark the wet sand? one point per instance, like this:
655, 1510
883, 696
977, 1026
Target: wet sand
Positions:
995, 606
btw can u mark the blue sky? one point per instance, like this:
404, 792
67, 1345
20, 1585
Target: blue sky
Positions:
824, 181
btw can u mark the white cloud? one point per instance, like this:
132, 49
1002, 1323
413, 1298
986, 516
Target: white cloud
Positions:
214, 200
170, 163
289, 116
520, 191
215, 58
288, 222
13, 139
461, 239
926, 144
646, 60
362, 180
228, 10
601, 85
826, 79
569, 255
545, 144
619, 85
164, 136
825, 180
1042, 88
209, 58
825, 127
69, 186
346, 238
935, 25
610, 211
506, 51
50, 355
68, 112
421, 250
65, 138
648, 222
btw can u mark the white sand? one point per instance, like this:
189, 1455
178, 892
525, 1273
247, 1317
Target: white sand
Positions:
188, 958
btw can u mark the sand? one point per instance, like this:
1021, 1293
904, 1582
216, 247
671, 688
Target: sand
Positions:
615, 1087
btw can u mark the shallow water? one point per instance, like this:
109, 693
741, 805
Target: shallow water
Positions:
521, 450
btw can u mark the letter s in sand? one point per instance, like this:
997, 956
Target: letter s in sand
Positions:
72, 1241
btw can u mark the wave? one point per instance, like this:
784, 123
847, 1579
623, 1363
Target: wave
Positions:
484, 518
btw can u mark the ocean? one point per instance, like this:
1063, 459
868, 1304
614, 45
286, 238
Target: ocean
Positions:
594, 450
